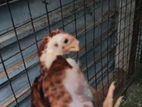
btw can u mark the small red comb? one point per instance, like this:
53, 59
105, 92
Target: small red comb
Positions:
53, 33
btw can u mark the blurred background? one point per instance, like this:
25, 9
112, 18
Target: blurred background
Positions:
109, 32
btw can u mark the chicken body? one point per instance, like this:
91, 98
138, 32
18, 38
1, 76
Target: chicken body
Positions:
62, 84
65, 86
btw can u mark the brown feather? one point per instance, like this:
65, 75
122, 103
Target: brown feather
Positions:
42, 46
37, 94
48, 89
45, 41
53, 33
53, 83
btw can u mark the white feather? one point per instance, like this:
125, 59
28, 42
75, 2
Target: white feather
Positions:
49, 54
77, 86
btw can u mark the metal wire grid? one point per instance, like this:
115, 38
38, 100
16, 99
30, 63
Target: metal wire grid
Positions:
119, 19
139, 46
136, 36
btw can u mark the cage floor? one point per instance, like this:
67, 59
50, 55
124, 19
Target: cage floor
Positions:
133, 96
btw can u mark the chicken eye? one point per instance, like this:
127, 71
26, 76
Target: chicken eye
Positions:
66, 41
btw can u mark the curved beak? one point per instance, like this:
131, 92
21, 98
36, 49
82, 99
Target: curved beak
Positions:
73, 47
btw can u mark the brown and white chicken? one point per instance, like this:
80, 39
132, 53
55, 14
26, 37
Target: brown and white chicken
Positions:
62, 84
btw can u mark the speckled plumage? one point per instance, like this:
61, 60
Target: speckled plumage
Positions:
62, 84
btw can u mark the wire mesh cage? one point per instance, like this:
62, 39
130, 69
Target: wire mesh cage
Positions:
107, 30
